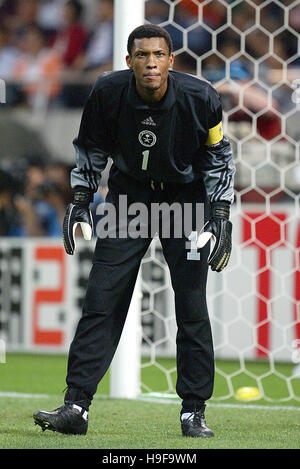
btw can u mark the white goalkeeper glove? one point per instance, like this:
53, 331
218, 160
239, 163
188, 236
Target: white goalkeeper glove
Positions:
78, 212
219, 228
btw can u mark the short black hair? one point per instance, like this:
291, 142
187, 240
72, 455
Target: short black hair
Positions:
149, 30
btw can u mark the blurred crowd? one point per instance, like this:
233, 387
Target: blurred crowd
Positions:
49, 47
34, 196
57, 48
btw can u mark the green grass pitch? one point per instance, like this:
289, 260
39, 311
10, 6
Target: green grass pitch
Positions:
134, 424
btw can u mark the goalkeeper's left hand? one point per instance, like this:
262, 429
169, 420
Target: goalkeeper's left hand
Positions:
219, 228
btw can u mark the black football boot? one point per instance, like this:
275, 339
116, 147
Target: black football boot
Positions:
193, 424
69, 419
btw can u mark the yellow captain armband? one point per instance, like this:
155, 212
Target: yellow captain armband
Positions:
215, 134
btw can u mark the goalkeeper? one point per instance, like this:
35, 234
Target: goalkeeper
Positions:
163, 131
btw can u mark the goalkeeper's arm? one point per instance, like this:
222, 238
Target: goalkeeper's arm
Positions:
217, 169
92, 152
218, 172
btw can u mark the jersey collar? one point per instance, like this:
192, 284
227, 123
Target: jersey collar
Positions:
164, 104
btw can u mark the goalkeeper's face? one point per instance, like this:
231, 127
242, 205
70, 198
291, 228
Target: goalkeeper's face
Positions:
150, 61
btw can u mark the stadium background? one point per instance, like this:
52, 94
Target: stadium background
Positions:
50, 54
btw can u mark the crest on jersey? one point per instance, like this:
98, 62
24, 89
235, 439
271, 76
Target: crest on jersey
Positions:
147, 138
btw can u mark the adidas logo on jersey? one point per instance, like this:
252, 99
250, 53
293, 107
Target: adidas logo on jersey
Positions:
148, 121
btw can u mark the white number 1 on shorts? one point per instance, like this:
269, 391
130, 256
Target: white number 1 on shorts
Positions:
192, 254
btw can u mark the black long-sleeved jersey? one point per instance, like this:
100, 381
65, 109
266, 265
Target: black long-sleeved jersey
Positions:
180, 139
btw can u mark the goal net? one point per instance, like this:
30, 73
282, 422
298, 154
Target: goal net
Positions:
249, 50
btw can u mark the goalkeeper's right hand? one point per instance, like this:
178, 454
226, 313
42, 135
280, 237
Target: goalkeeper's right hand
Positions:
78, 212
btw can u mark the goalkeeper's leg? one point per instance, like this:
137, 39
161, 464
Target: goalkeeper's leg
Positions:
109, 291
110, 288
195, 355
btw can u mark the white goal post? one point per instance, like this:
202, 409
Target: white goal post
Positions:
125, 367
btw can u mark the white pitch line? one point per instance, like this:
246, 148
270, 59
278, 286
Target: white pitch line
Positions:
229, 406
255, 406
160, 401
22, 395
